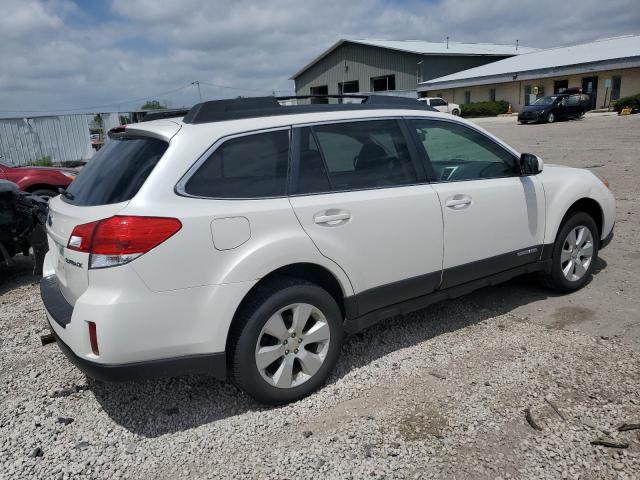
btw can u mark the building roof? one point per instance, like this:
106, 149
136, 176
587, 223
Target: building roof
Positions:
618, 52
426, 48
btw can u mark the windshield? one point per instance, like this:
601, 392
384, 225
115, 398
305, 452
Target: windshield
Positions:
116, 172
545, 101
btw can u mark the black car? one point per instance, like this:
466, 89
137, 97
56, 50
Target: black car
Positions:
555, 107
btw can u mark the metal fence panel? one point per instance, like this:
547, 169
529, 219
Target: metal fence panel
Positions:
62, 138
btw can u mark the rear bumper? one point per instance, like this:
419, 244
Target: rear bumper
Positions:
214, 364
72, 339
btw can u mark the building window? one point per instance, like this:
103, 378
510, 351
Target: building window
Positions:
382, 84
492, 94
616, 82
439, 95
560, 86
348, 87
467, 96
321, 90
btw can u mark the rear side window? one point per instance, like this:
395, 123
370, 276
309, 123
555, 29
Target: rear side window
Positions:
251, 166
116, 172
354, 155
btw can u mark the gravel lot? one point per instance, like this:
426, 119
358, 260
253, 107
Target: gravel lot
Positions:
441, 393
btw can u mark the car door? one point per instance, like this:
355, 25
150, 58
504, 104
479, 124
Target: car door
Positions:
493, 217
440, 105
358, 191
560, 106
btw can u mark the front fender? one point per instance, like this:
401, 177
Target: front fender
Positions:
564, 187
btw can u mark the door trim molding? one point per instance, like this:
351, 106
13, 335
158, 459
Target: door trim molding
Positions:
497, 269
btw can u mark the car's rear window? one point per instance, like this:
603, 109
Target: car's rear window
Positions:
116, 172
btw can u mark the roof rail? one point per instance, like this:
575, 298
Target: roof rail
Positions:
168, 113
240, 108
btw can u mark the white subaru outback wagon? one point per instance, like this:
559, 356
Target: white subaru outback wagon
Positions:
247, 238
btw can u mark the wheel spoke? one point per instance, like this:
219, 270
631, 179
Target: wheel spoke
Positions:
301, 314
267, 355
318, 333
580, 236
568, 269
587, 250
565, 255
276, 328
310, 362
571, 239
283, 377
580, 270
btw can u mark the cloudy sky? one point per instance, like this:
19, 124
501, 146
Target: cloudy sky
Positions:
113, 54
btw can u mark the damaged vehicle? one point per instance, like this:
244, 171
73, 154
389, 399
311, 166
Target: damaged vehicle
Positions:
22, 219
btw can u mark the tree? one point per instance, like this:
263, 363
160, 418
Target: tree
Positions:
153, 105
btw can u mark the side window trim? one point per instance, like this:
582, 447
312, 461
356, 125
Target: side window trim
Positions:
179, 188
432, 177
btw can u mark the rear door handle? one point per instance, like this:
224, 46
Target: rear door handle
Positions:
458, 202
331, 218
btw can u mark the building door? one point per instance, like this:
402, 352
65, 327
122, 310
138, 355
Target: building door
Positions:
590, 87
527, 95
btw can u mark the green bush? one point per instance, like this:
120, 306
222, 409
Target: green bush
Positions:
484, 109
633, 101
43, 162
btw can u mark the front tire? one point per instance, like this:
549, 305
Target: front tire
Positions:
285, 341
574, 254
551, 117
455, 112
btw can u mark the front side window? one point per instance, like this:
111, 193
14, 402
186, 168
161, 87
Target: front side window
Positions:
251, 166
438, 102
460, 153
352, 156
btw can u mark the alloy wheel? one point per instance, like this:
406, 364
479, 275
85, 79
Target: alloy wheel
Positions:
292, 345
551, 117
576, 253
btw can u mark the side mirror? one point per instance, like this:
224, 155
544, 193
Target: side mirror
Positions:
530, 164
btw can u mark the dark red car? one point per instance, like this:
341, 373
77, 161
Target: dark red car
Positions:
43, 181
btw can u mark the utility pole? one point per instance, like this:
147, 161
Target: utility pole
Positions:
197, 84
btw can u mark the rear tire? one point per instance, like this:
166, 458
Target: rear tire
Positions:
574, 254
455, 112
272, 353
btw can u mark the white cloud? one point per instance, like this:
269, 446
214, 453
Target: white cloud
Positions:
55, 54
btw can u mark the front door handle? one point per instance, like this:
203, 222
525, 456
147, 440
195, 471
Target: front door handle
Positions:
458, 202
331, 218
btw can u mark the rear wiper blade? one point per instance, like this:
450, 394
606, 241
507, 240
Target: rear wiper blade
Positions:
65, 194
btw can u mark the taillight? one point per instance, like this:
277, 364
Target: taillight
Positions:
81, 236
121, 239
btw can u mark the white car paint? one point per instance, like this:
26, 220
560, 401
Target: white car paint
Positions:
180, 297
441, 105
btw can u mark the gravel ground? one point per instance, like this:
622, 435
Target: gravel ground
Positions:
441, 393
